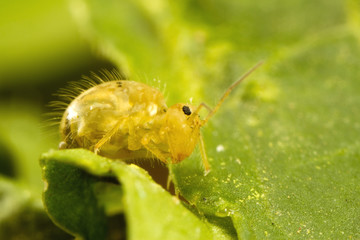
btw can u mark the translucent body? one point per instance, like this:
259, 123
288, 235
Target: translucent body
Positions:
129, 120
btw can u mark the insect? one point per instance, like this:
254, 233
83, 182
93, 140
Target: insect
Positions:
130, 120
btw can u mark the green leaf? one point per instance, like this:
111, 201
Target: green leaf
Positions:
353, 15
70, 199
71, 202
290, 167
254, 27
140, 39
22, 215
284, 150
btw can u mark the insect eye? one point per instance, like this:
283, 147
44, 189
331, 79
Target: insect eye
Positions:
186, 110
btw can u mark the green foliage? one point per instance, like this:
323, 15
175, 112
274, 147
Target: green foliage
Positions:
284, 147
151, 212
22, 216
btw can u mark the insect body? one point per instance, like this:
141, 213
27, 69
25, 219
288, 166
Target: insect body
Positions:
130, 120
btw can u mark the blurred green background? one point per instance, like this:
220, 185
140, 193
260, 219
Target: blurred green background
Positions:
196, 48
41, 50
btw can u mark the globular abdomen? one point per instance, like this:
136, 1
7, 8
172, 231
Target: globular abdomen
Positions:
133, 107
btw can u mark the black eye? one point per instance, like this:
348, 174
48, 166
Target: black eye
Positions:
186, 110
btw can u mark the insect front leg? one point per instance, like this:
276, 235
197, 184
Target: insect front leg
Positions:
204, 156
170, 179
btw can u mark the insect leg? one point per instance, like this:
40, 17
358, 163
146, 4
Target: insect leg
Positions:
108, 135
155, 150
168, 183
203, 156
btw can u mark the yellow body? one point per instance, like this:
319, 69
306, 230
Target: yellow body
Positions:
129, 120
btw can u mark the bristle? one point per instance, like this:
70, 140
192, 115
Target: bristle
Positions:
104, 75
73, 89
110, 75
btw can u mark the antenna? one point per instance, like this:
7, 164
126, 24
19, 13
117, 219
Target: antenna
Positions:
228, 91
